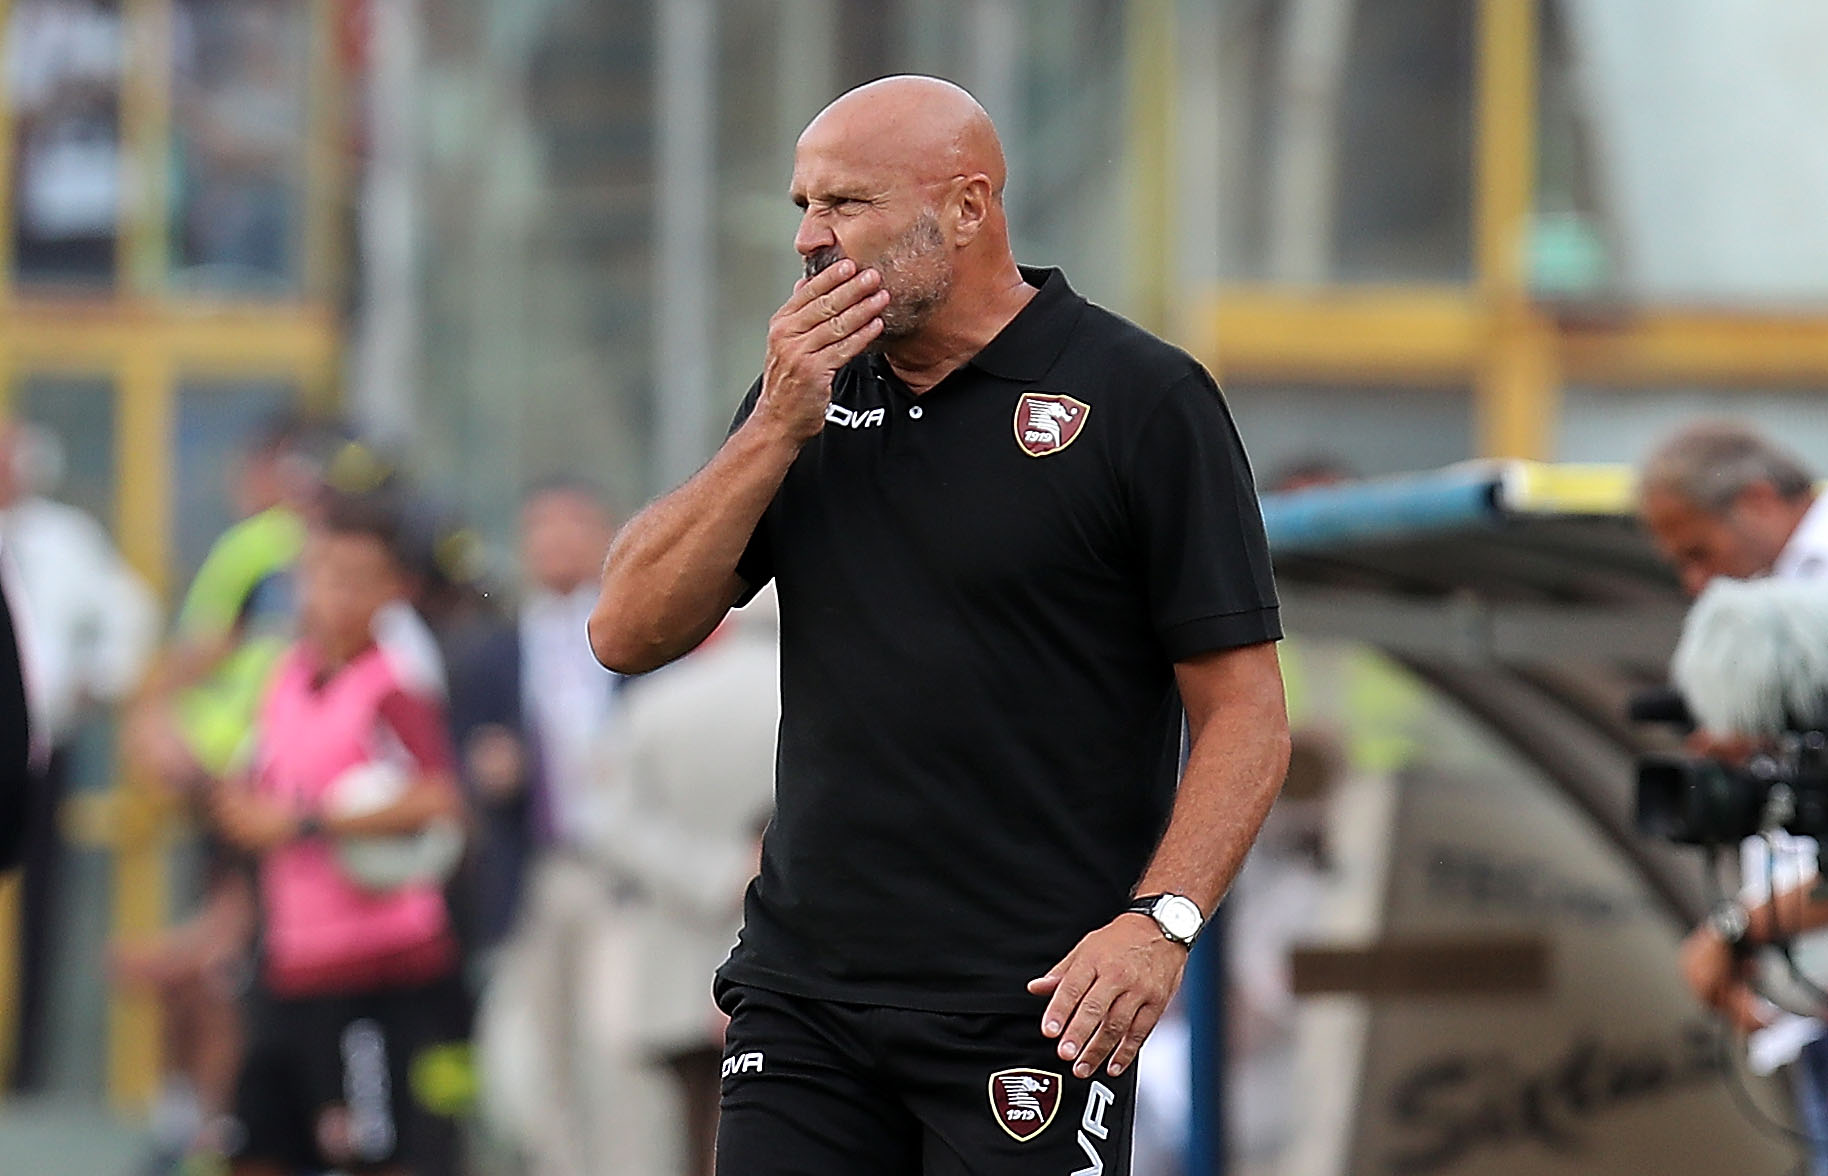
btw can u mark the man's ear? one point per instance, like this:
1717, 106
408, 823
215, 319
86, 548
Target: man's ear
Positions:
974, 202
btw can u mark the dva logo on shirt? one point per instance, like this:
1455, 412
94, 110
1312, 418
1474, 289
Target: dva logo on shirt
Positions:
1024, 1101
1047, 423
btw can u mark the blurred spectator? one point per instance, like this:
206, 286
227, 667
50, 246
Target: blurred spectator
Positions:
1274, 903
531, 705
451, 586
63, 71
1721, 499
358, 975
689, 786
91, 623
196, 712
191, 724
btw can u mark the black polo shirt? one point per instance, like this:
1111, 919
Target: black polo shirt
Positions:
983, 592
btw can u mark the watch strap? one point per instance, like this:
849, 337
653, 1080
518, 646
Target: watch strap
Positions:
1146, 904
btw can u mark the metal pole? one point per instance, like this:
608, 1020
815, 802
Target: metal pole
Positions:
1205, 989
1150, 64
1519, 384
684, 212
386, 359
805, 81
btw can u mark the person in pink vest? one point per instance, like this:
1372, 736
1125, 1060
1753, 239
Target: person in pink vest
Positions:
357, 977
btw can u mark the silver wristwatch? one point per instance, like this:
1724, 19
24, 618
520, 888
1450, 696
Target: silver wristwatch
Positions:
1730, 920
1178, 916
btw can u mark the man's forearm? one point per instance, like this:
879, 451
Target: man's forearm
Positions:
1787, 913
671, 571
1234, 771
1232, 778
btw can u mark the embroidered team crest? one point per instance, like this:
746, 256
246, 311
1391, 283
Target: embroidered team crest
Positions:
1024, 1101
1047, 423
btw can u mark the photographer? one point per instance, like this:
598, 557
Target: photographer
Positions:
1719, 499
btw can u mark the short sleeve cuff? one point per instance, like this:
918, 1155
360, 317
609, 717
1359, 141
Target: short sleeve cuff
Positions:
1225, 631
753, 582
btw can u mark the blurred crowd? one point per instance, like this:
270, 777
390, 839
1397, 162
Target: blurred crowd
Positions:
440, 845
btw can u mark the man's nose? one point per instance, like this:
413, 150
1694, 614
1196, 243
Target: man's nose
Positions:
814, 234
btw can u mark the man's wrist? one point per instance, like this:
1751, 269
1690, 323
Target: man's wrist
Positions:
1178, 918
774, 429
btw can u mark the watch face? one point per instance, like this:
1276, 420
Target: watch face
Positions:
1179, 917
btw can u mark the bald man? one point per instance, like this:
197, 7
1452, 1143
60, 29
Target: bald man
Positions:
1012, 535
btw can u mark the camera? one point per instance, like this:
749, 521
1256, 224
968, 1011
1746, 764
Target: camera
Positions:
1752, 662
1696, 801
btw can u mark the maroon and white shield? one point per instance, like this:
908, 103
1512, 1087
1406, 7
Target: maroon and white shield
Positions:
1047, 422
1024, 1101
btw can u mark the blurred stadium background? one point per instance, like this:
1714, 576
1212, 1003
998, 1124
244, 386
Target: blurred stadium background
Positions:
517, 238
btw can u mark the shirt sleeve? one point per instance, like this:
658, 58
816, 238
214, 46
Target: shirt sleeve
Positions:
213, 603
756, 566
1198, 527
418, 722
242, 566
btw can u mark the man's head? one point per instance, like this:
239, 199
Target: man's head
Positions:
904, 175
351, 568
284, 463
31, 461
565, 530
1722, 500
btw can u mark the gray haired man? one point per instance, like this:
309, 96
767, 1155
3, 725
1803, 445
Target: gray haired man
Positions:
1721, 499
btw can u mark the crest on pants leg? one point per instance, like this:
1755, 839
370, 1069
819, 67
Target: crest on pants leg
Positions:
1024, 1101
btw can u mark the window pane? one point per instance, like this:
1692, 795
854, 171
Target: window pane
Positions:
1293, 432
239, 102
72, 458
63, 78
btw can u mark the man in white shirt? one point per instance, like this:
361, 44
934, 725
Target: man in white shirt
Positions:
688, 784
1720, 499
89, 624
554, 1032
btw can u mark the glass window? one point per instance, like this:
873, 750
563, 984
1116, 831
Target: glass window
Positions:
1385, 112
239, 100
70, 456
1624, 424
1358, 432
63, 79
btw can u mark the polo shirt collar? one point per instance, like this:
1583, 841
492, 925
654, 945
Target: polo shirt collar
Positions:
1027, 347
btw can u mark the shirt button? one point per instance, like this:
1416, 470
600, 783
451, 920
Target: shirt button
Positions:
915, 413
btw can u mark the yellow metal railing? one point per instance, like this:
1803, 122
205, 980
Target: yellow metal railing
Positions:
1492, 335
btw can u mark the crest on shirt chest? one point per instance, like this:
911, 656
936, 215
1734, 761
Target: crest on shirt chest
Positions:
1047, 422
1024, 1101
